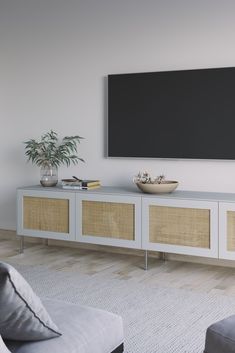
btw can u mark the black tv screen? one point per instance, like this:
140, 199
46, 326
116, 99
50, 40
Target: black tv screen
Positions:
174, 114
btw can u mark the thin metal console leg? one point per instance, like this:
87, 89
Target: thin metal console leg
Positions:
146, 260
163, 256
22, 244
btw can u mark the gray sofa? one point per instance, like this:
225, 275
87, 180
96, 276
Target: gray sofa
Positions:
84, 330
29, 325
220, 336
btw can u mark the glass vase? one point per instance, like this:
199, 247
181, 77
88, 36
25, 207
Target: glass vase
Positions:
48, 175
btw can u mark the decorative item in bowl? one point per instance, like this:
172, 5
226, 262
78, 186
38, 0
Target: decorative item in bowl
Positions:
154, 185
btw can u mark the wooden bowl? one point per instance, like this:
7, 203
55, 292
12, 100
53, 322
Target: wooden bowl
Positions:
165, 187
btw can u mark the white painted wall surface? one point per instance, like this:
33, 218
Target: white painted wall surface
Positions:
55, 57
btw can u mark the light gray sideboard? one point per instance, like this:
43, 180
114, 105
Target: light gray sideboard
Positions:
182, 222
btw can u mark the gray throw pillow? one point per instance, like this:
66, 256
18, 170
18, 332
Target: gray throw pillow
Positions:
22, 314
3, 348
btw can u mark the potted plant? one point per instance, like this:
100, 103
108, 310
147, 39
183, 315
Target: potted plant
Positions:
49, 153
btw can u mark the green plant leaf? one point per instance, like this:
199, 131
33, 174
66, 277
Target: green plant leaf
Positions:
49, 150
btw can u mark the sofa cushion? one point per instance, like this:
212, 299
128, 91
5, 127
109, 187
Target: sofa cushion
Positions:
85, 330
220, 336
23, 316
3, 348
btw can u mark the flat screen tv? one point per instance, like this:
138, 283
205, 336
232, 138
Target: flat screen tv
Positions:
172, 114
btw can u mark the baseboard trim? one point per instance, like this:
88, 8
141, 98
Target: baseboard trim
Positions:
11, 235
7, 234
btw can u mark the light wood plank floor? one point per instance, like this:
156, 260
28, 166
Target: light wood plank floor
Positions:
196, 277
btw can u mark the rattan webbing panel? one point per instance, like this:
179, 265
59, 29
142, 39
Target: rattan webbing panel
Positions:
231, 230
179, 226
108, 219
47, 214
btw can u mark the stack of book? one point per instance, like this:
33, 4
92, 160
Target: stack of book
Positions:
80, 184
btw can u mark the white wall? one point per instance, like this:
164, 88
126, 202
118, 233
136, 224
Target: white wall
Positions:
55, 56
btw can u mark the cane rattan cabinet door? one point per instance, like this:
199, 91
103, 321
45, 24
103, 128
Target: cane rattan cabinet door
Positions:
180, 226
227, 230
46, 214
109, 220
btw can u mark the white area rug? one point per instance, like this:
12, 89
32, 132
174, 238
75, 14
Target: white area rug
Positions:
156, 319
